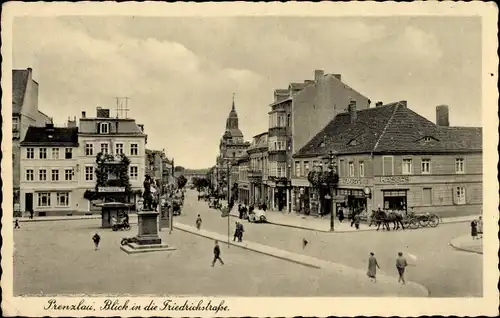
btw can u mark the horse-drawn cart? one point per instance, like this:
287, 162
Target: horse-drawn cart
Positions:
414, 221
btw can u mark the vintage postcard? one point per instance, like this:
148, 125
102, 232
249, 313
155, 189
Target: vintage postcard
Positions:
249, 159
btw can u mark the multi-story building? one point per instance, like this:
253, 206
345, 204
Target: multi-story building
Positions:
232, 147
49, 170
158, 166
297, 114
258, 169
390, 156
25, 113
243, 181
111, 135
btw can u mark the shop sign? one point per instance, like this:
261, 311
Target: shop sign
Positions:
111, 189
395, 179
353, 181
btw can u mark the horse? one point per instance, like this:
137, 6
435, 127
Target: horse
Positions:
381, 217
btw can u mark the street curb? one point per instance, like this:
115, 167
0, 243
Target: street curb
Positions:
188, 229
58, 219
464, 249
247, 248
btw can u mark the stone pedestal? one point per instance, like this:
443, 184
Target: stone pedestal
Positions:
148, 228
147, 239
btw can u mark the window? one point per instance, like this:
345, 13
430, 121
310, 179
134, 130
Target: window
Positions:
55, 174
134, 150
306, 168
289, 120
342, 168
104, 128
459, 165
42, 175
361, 169
427, 139
42, 153
44, 199
351, 169
55, 153
426, 166
15, 123
89, 173
134, 172
104, 148
119, 149
460, 195
69, 153
297, 168
387, 165
426, 196
68, 174
30, 175
407, 166
30, 153
62, 198
89, 149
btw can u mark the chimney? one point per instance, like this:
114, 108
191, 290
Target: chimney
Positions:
352, 111
84, 114
71, 123
442, 116
102, 112
378, 104
338, 76
318, 74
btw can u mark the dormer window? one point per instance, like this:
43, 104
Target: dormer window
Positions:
353, 142
322, 144
427, 139
103, 128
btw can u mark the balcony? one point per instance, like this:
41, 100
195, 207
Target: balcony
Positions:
255, 175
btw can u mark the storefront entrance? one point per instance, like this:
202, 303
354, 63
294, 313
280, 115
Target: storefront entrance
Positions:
280, 198
396, 200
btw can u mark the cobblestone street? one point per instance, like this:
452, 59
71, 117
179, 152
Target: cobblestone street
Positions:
445, 271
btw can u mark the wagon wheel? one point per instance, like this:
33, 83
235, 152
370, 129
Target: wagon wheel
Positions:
433, 220
423, 221
413, 224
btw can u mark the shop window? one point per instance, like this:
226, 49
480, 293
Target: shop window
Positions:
44, 199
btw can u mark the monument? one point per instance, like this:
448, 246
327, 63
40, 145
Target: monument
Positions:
147, 239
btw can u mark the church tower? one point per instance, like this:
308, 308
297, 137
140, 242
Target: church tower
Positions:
232, 125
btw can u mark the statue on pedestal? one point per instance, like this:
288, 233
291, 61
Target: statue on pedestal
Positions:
147, 195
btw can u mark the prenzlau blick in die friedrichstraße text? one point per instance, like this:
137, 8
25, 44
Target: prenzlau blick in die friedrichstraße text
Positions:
166, 305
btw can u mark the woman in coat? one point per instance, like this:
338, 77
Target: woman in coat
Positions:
372, 268
473, 229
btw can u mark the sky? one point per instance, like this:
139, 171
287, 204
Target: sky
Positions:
180, 73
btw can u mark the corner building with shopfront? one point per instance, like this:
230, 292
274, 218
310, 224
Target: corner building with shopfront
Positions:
390, 156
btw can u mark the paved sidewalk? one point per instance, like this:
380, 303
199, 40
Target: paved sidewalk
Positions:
467, 244
59, 218
386, 285
320, 224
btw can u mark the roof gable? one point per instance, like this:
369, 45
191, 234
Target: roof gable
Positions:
19, 83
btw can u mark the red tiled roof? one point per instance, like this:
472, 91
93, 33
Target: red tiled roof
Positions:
19, 83
390, 128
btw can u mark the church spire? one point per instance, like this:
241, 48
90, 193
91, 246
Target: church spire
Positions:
233, 108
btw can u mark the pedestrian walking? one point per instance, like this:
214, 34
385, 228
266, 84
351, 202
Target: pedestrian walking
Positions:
96, 238
198, 222
217, 254
240, 231
372, 268
480, 227
341, 214
31, 214
304, 243
473, 229
357, 220
401, 264
16, 224
236, 231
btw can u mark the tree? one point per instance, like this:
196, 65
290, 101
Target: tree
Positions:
179, 169
181, 181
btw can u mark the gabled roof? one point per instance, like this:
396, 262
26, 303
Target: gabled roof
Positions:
19, 83
390, 128
40, 136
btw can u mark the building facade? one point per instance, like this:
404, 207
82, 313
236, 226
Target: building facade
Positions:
389, 156
25, 113
158, 166
111, 135
49, 174
243, 180
297, 114
258, 169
